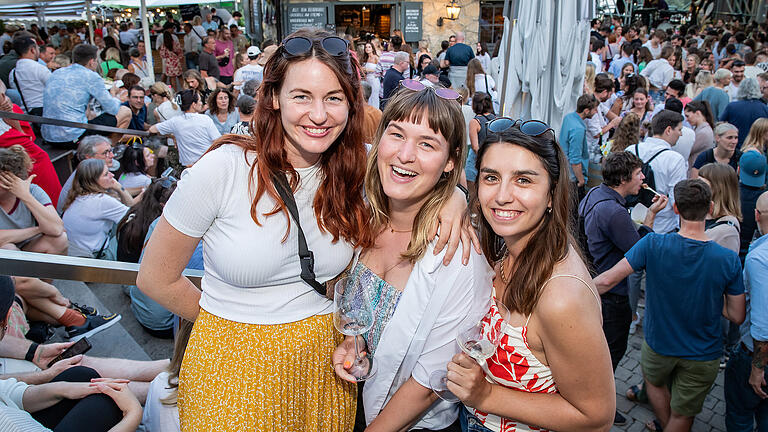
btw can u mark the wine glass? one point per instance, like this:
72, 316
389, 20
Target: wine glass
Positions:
475, 339
353, 316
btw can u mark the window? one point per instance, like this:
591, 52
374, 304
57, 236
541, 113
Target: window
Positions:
491, 24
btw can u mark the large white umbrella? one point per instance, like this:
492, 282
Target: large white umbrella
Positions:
544, 59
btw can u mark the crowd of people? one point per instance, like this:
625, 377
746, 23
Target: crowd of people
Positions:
278, 168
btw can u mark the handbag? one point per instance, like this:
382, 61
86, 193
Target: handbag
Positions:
223, 61
306, 257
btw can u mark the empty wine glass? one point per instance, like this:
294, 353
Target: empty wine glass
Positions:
353, 316
478, 340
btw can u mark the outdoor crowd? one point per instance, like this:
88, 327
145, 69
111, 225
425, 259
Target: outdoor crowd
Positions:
326, 156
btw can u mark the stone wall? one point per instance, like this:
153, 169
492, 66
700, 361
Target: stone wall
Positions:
467, 22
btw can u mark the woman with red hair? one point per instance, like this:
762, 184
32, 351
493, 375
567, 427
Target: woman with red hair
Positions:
259, 357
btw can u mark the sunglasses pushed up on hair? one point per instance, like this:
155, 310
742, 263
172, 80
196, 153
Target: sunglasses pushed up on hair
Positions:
441, 92
533, 128
300, 45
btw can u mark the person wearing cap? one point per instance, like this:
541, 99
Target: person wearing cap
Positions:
431, 75
251, 69
752, 179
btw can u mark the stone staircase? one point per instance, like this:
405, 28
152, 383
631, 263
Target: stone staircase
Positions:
126, 339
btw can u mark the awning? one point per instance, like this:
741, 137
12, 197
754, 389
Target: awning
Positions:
53, 10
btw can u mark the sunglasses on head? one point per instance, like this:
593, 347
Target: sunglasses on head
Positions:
533, 128
443, 93
300, 45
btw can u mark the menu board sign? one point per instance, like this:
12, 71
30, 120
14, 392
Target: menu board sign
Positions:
412, 16
306, 15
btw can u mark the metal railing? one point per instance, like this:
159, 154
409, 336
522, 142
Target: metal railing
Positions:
38, 265
66, 123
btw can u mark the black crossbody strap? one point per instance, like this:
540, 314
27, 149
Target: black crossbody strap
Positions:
306, 257
18, 88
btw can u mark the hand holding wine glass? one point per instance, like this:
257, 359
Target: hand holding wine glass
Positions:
352, 316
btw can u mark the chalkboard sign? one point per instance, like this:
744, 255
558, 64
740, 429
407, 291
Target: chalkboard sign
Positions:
189, 11
412, 22
306, 15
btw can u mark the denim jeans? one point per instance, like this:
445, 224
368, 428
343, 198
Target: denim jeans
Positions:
742, 406
470, 423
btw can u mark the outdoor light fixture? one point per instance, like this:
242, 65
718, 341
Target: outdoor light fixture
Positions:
452, 11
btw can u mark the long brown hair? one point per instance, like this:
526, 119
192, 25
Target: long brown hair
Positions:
338, 204
627, 133
442, 116
473, 68
550, 242
724, 183
86, 180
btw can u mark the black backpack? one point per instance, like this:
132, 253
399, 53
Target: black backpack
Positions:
645, 197
581, 237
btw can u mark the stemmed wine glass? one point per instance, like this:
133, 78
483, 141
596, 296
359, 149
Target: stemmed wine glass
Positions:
475, 339
353, 316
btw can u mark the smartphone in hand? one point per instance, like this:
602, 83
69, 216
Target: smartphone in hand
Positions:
80, 347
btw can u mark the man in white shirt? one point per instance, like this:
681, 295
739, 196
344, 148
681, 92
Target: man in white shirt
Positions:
29, 76
251, 70
688, 136
737, 71
47, 53
668, 166
597, 49
235, 20
654, 45
598, 125
660, 72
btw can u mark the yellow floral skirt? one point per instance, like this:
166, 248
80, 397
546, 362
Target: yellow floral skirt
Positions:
250, 377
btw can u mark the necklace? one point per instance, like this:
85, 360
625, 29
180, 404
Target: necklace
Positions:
501, 267
393, 230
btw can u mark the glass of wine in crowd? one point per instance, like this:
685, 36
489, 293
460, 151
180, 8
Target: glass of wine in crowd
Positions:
353, 316
477, 340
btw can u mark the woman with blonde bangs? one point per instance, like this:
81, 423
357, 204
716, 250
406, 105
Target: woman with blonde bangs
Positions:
259, 357
722, 223
544, 375
418, 303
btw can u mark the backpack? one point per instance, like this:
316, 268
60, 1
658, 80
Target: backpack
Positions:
581, 237
645, 197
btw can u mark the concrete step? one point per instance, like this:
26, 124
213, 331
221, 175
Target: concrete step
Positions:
120, 340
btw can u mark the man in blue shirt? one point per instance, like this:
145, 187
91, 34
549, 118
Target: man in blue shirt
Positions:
746, 396
626, 58
690, 282
610, 234
67, 93
573, 140
457, 58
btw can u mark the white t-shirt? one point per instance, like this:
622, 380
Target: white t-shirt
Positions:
32, 78
732, 90
194, 135
134, 180
157, 416
247, 73
659, 73
13, 418
480, 80
655, 52
166, 111
685, 144
251, 275
89, 219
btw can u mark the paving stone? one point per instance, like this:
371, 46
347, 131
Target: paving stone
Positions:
719, 408
624, 374
699, 426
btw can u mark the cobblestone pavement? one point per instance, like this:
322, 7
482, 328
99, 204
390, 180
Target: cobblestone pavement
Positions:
628, 373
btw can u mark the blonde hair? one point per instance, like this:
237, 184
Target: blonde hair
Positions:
161, 89
424, 45
179, 347
589, 78
197, 20
464, 93
757, 136
724, 183
112, 54
442, 116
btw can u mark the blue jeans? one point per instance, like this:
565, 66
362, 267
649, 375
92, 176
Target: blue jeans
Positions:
742, 406
470, 423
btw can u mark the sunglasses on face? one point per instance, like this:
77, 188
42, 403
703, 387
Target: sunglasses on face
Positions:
300, 45
443, 93
533, 128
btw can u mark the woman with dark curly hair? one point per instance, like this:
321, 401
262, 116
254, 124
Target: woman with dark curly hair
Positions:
222, 110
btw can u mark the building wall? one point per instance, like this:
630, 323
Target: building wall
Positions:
467, 22
432, 10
